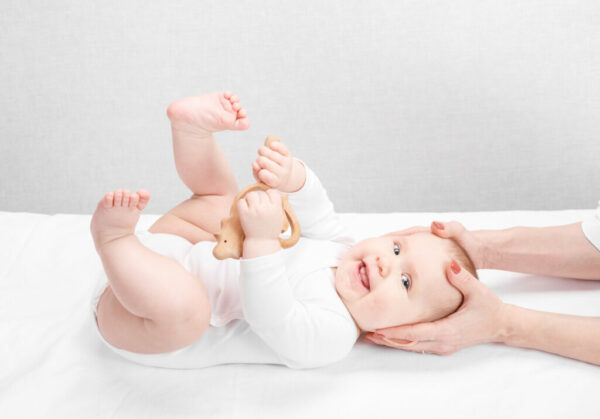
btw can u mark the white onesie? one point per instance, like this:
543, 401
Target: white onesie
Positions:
277, 309
591, 228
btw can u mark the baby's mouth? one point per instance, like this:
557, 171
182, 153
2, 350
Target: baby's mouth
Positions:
364, 276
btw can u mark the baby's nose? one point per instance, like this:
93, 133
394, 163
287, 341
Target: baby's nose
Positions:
384, 267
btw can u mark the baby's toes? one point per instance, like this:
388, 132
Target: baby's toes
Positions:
118, 197
126, 197
236, 106
241, 124
108, 200
133, 201
234, 99
144, 198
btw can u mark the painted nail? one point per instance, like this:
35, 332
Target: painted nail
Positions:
454, 266
438, 225
400, 342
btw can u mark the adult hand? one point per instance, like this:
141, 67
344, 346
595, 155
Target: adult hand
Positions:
468, 240
480, 319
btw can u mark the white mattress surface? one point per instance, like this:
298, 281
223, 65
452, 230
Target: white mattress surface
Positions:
53, 365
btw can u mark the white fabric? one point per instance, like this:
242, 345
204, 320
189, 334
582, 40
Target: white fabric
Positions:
591, 227
288, 311
52, 363
289, 297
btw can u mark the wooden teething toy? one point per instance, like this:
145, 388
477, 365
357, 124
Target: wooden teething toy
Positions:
230, 239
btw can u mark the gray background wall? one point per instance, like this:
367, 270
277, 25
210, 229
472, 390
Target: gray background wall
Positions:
397, 105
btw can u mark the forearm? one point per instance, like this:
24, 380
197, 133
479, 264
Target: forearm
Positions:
571, 336
561, 251
297, 177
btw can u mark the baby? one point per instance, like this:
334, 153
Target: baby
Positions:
170, 303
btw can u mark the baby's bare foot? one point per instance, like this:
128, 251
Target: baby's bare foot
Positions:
117, 214
209, 113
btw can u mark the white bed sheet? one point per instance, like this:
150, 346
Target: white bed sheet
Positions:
53, 365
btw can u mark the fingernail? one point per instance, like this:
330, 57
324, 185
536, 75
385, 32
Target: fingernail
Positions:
400, 342
438, 225
454, 266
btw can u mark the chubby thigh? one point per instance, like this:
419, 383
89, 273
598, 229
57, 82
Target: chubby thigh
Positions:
169, 331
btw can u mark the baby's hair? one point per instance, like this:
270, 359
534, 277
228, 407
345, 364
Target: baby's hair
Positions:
462, 257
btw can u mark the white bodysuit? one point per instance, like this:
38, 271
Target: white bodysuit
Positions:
591, 228
277, 309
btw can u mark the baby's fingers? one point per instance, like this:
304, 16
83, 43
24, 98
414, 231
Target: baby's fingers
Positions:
280, 148
271, 155
252, 199
268, 178
242, 207
270, 165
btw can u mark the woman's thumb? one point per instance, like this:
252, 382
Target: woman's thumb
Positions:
448, 230
460, 278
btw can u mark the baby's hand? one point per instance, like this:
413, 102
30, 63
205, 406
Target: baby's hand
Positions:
276, 167
261, 215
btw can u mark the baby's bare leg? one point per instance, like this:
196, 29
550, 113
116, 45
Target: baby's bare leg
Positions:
201, 164
153, 304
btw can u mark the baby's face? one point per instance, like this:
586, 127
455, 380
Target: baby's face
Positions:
394, 280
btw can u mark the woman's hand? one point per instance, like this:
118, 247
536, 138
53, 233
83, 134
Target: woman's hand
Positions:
261, 217
276, 168
480, 319
468, 240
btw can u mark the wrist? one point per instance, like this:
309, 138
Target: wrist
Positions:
506, 329
487, 254
257, 246
297, 177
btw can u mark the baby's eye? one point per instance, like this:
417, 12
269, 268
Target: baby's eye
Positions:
396, 249
406, 280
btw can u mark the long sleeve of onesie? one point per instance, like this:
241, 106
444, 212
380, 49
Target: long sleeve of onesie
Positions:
315, 213
306, 326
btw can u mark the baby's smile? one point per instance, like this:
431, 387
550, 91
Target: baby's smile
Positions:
392, 280
362, 274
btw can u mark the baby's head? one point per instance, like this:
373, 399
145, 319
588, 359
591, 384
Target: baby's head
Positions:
394, 280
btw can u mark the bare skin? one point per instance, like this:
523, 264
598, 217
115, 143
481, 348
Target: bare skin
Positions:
561, 251
152, 304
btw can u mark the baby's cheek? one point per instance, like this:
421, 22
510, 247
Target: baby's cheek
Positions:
378, 309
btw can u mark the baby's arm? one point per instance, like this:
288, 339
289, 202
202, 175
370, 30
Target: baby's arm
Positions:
307, 326
276, 167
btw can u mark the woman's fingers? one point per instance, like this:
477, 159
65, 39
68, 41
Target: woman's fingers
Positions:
408, 334
424, 347
461, 279
478, 320
448, 230
465, 238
